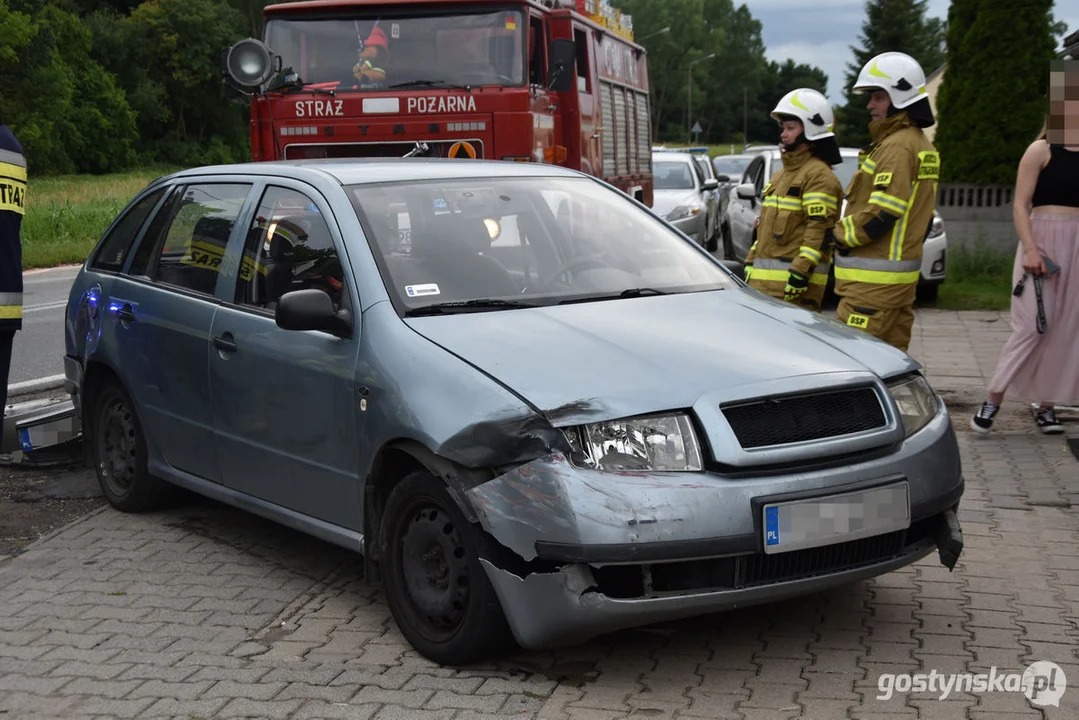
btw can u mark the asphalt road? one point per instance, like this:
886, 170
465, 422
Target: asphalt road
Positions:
39, 348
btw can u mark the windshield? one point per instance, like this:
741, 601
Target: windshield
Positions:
378, 52
533, 241
668, 175
845, 170
734, 167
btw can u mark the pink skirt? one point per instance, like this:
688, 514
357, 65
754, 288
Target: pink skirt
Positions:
1036, 367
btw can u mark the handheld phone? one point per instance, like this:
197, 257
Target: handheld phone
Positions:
1051, 268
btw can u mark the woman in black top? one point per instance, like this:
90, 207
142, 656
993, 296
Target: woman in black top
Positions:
1040, 361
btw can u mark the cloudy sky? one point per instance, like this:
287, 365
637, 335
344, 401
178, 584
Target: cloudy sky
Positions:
821, 33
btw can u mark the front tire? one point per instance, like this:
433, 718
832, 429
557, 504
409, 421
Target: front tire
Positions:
728, 242
118, 448
437, 590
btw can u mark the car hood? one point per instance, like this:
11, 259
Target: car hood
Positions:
616, 358
663, 201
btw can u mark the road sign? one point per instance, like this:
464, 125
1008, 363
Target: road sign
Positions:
463, 150
697, 128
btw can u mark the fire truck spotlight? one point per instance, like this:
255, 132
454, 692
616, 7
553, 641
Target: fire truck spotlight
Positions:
250, 63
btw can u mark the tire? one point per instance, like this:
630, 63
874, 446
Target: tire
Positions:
713, 240
460, 620
928, 293
728, 242
118, 450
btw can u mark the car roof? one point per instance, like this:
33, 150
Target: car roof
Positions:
682, 157
360, 171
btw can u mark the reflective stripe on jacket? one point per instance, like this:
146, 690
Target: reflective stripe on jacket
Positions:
890, 203
12, 209
799, 206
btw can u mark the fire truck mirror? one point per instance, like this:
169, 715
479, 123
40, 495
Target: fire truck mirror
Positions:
249, 63
561, 74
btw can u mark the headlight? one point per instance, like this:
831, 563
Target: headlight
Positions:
683, 211
936, 229
916, 401
661, 443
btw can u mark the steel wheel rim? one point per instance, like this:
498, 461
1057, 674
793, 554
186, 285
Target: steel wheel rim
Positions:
117, 448
434, 569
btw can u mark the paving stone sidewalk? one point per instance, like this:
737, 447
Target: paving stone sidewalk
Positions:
209, 612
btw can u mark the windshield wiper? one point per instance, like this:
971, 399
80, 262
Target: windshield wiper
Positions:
480, 304
631, 292
430, 83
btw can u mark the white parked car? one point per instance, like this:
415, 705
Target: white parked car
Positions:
744, 207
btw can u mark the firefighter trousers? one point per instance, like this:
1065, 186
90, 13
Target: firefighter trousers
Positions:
7, 337
892, 325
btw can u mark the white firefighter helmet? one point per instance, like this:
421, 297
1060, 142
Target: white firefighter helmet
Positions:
896, 73
812, 108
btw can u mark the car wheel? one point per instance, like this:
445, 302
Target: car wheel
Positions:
713, 239
119, 452
437, 590
728, 243
928, 293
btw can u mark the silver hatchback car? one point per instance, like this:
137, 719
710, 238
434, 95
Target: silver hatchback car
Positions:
538, 411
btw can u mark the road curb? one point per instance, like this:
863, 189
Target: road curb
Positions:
29, 387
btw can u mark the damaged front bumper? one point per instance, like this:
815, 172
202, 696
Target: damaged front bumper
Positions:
594, 552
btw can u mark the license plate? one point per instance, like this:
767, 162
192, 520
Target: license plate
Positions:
813, 522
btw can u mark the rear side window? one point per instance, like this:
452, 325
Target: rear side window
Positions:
197, 235
116, 244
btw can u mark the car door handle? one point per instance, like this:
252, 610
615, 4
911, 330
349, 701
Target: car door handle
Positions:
225, 344
124, 312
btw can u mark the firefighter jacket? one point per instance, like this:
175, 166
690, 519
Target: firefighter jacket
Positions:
890, 203
799, 207
12, 208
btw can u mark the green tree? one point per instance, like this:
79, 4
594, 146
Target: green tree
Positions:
992, 99
890, 26
66, 109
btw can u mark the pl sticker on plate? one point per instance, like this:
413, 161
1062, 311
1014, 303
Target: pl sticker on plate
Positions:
421, 290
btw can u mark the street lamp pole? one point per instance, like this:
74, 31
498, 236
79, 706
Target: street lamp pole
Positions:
689, 94
652, 35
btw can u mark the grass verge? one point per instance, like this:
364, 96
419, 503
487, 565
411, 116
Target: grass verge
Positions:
66, 214
979, 278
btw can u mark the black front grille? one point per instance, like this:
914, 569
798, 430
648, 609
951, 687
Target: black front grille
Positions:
758, 569
767, 569
778, 421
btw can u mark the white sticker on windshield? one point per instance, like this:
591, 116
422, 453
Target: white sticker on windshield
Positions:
421, 290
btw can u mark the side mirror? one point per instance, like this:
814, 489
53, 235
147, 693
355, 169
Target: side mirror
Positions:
735, 267
711, 184
723, 178
561, 65
746, 191
311, 309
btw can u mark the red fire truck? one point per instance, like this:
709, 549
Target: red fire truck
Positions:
556, 81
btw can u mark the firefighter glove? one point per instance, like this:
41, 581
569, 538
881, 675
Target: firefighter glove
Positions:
797, 284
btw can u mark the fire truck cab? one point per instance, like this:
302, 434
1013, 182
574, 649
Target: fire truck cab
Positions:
555, 81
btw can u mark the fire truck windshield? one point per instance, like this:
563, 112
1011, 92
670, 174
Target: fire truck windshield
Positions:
379, 52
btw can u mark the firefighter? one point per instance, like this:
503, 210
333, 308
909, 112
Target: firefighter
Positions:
789, 258
374, 56
12, 208
890, 203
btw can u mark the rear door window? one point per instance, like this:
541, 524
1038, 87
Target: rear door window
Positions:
197, 235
